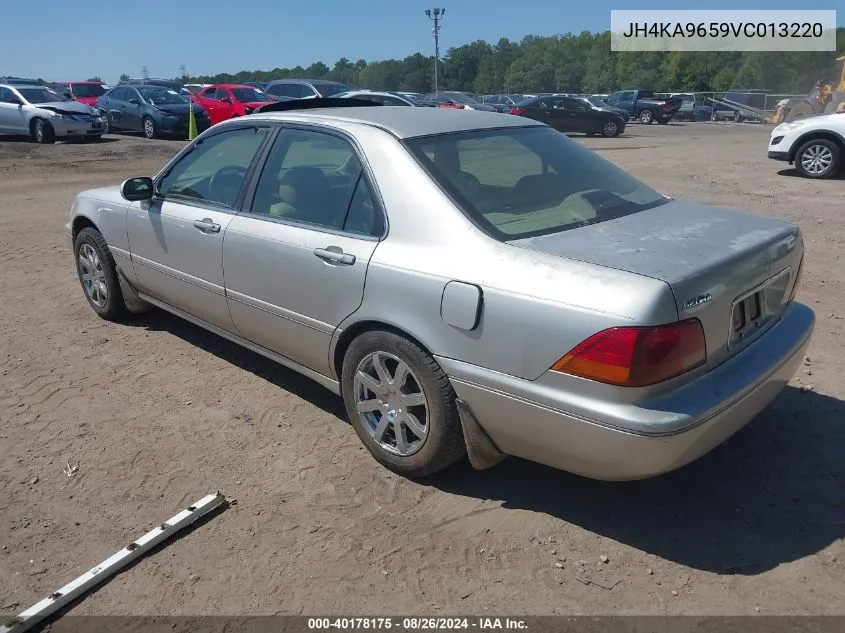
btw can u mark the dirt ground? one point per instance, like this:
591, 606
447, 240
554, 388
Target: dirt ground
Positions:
157, 413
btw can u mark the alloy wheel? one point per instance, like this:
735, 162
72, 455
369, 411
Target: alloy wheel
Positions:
391, 403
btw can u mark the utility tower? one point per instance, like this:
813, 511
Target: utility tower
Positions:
435, 15
145, 72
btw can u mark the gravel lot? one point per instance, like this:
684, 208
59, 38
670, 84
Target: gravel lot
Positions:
157, 412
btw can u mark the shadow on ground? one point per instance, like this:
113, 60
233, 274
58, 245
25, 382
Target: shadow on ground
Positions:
282, 377
72, 141
793, 173
773, 493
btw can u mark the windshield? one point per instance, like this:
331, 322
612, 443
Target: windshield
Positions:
249, 95
524, 182
327, 90
41, 95
161, 96
88, 90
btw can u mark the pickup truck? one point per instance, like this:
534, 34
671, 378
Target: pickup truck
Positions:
641, 105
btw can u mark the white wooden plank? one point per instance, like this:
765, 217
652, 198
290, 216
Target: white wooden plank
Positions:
111, 565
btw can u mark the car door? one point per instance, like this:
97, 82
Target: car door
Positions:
208, 99
110, 102
227, 103
12, 119
296, 259
579, 117
176, 239
131, 109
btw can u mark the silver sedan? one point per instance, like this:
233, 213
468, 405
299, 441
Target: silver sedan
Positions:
45, 115
470, 283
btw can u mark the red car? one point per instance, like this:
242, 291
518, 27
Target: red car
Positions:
86, 92
225, 101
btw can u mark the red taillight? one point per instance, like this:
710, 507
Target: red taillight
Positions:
664, 106
797, 279
517, 111
637, 356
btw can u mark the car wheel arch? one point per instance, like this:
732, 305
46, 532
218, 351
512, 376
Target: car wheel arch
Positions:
82, 222
828, 135
354, 330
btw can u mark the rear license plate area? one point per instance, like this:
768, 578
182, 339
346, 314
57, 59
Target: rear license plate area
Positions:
753, 312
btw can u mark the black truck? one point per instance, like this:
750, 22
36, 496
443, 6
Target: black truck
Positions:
641, 105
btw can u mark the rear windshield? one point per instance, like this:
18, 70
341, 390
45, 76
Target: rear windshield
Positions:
525, 182
88, 90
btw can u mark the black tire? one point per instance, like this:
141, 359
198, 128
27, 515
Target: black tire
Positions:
819, 149
646, 117
113, 308
444, 442
148, 127
42, 131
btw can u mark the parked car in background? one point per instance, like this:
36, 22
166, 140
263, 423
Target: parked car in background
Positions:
412, 95
572, 114
45, 115
256, 84
384, 98
302, 88
175, 86
565, 312
814, 144
643, 106
693, 107
225, 101
153, 110
502, 102
86, 92
599, 102
195, 88
455, 99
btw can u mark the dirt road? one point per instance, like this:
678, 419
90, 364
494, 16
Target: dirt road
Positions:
156, 413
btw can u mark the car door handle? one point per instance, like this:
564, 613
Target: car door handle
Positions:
335, 255
207, 225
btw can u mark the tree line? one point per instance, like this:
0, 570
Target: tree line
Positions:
572, 63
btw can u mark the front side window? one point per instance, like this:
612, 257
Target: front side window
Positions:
316, 178
527, 182
7, 96
215, 170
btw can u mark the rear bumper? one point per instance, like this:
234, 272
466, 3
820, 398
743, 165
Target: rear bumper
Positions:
526, 419
784, 156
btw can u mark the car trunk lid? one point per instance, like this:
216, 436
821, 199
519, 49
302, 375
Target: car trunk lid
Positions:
731, 270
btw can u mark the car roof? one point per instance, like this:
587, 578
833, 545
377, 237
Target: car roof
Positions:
313, 82
24, 86
92, 83
403, 122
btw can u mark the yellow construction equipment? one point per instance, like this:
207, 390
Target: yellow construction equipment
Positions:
826, 98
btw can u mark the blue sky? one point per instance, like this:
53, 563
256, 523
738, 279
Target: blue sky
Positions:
96, 37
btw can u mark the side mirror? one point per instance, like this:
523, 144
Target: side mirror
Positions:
134, 101
134, 189
226, 100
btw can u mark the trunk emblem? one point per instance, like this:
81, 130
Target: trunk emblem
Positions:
692, 302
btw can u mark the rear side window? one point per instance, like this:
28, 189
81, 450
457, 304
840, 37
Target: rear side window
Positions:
527, 182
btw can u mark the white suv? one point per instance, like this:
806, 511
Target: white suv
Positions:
814, 144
